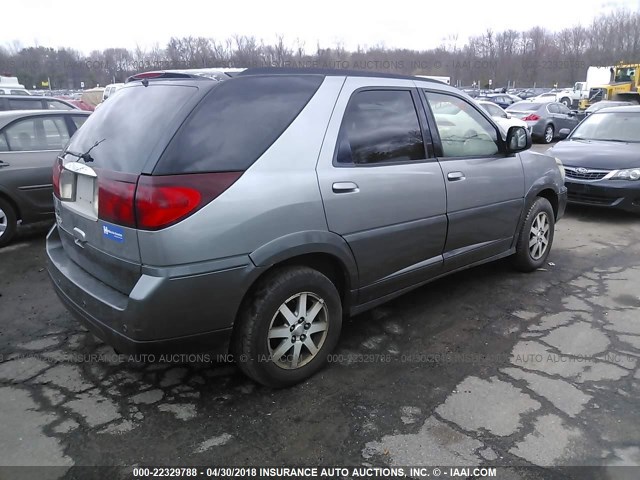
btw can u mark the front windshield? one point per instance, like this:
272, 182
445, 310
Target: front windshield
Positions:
616, 127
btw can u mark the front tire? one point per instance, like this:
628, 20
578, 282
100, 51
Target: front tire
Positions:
566, 101
288, 327
549, 134
536, 236
8, 222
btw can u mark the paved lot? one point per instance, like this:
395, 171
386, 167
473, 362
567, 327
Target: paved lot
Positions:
485, 367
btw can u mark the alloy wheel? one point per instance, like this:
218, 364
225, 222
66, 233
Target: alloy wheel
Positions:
4, 222
539, 236
298, 330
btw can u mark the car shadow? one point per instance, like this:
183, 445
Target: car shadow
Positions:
585, 213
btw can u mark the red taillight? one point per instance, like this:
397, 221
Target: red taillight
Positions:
531, 118
57, 171
164, 200
116, 193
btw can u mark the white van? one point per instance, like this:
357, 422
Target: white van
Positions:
10, 86
110, 90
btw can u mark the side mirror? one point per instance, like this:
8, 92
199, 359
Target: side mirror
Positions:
507, 115
518, 140
572, 114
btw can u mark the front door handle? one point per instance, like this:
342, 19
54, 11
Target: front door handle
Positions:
455, 176
4, 164
345, 187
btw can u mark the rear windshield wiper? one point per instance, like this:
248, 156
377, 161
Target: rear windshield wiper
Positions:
85, 156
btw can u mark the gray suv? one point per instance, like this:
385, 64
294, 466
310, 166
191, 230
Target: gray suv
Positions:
250, 215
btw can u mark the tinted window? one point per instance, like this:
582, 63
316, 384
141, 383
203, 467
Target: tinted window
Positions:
553, 108
562, 108
132, 123
58, 105
236, 123
19, 104
380, 126
464, 132
79, 120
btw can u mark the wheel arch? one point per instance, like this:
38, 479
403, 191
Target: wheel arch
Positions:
6, 197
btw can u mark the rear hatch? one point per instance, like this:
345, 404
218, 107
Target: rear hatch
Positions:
102, 164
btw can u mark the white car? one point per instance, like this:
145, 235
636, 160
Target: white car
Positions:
502, 117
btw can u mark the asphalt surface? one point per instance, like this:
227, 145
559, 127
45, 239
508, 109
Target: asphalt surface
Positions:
486, 367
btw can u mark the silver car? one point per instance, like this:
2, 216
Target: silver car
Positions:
547, 120
249, 215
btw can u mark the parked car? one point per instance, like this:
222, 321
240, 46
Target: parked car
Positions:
29, 143
260, 209
503, 118
548, 121
602, 159
32, 102
606, 104
110, 90
503, 100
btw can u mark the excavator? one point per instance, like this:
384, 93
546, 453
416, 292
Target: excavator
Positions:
624, 84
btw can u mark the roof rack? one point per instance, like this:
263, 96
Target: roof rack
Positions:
196, 73
329, 72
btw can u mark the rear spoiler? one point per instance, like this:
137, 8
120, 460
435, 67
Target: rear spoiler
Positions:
176, 74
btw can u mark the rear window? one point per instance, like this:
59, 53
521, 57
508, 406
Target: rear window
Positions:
236, 123
132, 124
524, 107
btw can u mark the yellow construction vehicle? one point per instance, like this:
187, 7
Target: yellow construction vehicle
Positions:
623, 85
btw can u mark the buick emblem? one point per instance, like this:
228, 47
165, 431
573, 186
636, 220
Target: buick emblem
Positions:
582, 170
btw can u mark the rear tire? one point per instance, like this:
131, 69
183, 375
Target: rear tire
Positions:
536, 236
288, 327
8, 222
566, 101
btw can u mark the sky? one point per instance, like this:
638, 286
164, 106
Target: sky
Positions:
417, 24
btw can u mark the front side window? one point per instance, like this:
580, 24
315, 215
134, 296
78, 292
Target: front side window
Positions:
464, 131
553, 108
380, 126
4, 146
21, 136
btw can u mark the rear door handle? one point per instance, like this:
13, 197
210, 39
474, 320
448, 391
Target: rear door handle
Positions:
455, 176
345, 187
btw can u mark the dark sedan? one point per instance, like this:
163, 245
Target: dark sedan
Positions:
547, 121
602, 159
30, 141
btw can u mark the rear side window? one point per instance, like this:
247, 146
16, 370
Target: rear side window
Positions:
380, 126
79, 120
236, 123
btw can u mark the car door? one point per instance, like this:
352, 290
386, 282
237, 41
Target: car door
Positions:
485, 187
382, 189
31, 145
570, 120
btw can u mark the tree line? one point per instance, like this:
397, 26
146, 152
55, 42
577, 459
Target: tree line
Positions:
521, 58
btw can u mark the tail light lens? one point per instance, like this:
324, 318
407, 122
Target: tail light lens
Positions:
116, 194
57, 171
155, 202
531, 118
164, 200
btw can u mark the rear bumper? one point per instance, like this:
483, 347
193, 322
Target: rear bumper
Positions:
162, 313
618, 194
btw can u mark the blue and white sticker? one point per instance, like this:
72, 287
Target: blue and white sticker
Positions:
113, 232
